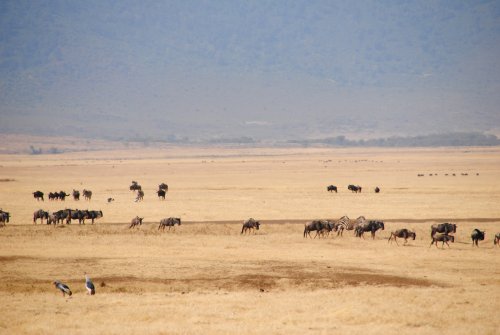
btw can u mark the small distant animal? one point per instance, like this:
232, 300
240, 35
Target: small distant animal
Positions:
442, 238
496, 241
377, 189
63, 288
137, 221
402, 233
161, 194
477, 236
420, 175
87, 194
110, 200
4, 218
331, 188
40, 214
89, 285
63, 195
38, 195
163, 186
135, 186
354, 188
76, 195
169, 222
250, 225
140, 195
445, 228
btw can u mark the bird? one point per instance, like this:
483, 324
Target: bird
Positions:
63, 288
89, 285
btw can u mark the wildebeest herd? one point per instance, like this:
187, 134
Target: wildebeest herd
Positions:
353, 188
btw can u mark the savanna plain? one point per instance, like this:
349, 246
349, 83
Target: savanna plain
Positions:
204, 277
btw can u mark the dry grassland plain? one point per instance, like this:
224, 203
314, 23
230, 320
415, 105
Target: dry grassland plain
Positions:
204, 277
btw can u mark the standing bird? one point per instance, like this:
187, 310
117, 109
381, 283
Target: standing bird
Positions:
63, 288
89, 285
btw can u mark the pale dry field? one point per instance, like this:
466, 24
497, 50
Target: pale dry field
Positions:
205, 277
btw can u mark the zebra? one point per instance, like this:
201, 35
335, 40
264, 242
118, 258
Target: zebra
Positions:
249, 225
477, 236
402, 233
442, 238
444, 228
371, 226
342, 224
169, 222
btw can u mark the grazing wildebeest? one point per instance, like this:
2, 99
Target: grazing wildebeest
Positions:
76, 195
249, 225
442, 238
163, 186
63, 195
87, 194
331, 188
38, 195
40, 214
402, 233
377, 189
94, 215
477, 236
371, 226
315, 225
137, 221
135, 186
496, 241
169, 222
140, 195
161, 194
444, 228
354, 188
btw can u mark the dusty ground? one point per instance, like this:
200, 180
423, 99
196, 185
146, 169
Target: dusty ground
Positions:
205, 277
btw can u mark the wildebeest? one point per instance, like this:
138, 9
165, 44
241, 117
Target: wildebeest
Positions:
249, 225
442, 238
328, 226
110, 200
62, 215
315, 225
377, 189
94, 215
140, 195
444, 228
4, 217
169, 222
402, 233
496, 241
477, 236
137, 221
161, 193
38, 195
371, 226
354, 188
53, 196
331, 188
135, 186
87, 194
40, 214
76, 195
77, 215
52, 219
63, 195
163, 186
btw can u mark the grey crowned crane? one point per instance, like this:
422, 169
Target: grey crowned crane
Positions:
89, 285
63, 288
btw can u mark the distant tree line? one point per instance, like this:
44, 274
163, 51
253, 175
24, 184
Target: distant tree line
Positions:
433, 140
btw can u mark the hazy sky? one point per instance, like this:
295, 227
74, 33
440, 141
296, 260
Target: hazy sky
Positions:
266, 69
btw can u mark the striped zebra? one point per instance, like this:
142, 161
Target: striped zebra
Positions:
344, 223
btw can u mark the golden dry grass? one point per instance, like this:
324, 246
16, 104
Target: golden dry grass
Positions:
205, 277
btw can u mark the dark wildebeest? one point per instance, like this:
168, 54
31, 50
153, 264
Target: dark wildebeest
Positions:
94, 215
137, 221
140, 195
496, 241
62, 215
161, 194
76, 195
402, 233
77, 215
169, 222
444, 228
53, 196
38, 195
331, 188
135, 186
249, 225
163, 186
371, 226
477, 236
442, 238
328, 226
377, 189
87, 194
354, 188
316, 225
110, 200
40, 214
4, 218
63, 195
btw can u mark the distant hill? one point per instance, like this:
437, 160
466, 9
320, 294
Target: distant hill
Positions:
275, 70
